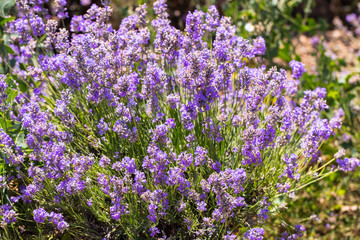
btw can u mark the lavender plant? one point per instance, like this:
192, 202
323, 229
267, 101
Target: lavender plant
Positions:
150, 132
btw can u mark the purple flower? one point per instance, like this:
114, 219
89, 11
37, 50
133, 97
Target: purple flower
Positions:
194, 25
336, 121
30, 191
170, 123
154, 231
173, 100
348, 164
291, 165
259, 46
40, 215
201, 206
62, 111
351, 18
102, 126
315, 40
159, 134
200, 156
71, 186
78, 24
213, 131
283, 188
340, 154
212, 18
8, 215
188, 113
37, 25
298, 69
62, 226
6, 139
104, 161
58, 219
117, 210
127, 164
60, 9
85, 2
104, 183
3, 88
160, 6
139, 182
158, 204
255, 234
229, 236
300, 229
185, 160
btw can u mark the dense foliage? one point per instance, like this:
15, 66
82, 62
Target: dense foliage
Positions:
145, 131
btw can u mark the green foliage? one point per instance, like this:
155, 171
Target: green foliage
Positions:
5, 6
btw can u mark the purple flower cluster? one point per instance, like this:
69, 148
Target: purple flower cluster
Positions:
8, 215
61, 110
3, 88
40, 215
298, 69
255, 234
348, 164
336, 121
58, 220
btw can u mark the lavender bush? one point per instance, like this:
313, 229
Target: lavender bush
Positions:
150, 132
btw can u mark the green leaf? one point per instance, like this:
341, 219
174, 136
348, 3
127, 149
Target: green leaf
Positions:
16, 127
279, 201
9, 49
341, 192
22, 66
43, 37
284, 54
66, 236
304, 28
5, 6
334, 94
12, 95
5, 20
20, 140
3, 121
22, 86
